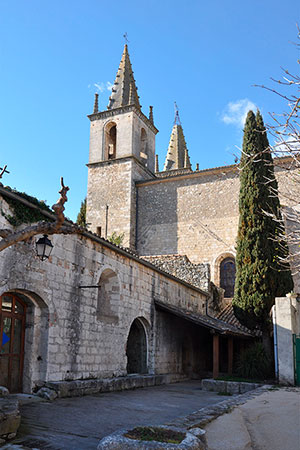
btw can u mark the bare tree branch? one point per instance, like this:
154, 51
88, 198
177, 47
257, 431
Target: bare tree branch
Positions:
11, 237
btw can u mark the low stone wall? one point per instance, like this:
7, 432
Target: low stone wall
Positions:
95, 386
9, 419
229, 387
117, 441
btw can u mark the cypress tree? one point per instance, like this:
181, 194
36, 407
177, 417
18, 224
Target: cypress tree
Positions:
81, 217
259, 275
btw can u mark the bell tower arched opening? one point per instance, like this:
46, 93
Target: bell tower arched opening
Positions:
110, 140
143, 147
136, 349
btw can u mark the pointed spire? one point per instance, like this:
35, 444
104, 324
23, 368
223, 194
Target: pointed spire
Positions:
96, 108
156, 164
177, 155
124, 91
151, 114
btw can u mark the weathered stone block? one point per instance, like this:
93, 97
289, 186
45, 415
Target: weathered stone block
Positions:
9, 416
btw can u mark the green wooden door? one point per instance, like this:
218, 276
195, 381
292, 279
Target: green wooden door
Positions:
296, 339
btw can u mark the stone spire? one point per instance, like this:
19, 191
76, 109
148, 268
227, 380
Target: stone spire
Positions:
124, 91
96, 108
177, 155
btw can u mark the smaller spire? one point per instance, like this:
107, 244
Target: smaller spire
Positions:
151, 114
187, 163
177, 155
156, 164
96, 104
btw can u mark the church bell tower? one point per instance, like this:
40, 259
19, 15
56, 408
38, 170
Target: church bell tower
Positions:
122, 151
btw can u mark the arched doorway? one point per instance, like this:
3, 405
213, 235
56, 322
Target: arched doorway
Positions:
227, 276
136, 350
12, 332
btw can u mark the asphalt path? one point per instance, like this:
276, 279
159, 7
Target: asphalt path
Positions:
79, 423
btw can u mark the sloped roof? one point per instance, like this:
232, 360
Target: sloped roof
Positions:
227, 315
215, 324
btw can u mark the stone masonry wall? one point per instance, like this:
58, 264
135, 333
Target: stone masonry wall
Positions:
197, 215
112, 184
66, 337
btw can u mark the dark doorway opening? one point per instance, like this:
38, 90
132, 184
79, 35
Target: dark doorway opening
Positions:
136, 350
12, 331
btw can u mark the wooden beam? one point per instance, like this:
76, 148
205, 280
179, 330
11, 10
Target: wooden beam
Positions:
230, 354
216, 359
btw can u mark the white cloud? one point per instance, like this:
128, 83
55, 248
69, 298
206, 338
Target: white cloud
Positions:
109, 85
235, 112
101, 86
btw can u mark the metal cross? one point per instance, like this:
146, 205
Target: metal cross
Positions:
176, 119
3, 170
125, 36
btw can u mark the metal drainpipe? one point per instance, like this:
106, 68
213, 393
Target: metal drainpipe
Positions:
275, 340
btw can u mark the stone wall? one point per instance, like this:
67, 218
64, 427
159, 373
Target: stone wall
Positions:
67, 336
112, 184
197, 214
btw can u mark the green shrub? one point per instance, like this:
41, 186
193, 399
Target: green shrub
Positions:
254, 363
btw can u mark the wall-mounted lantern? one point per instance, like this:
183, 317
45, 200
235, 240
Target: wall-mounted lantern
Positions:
44, 247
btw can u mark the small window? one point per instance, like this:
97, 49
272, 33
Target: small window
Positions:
98, 231
227, 276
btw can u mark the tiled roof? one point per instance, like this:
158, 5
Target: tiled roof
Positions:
227, 315
213, 323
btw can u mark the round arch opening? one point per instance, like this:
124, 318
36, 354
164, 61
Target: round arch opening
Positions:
136, 349
23, 340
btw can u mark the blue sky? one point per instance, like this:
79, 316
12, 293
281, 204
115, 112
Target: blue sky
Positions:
206, 56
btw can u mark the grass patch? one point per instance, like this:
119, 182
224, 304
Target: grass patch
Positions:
155, 434
224, 393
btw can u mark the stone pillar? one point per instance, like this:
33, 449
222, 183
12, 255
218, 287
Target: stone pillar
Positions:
230, 354
216, 359
286, 325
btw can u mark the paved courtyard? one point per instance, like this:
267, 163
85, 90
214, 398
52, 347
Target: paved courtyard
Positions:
79, 423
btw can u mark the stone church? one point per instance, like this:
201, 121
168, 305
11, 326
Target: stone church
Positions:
96, 316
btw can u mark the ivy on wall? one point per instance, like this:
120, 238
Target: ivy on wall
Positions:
22, 213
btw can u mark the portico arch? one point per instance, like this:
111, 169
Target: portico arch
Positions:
137, 347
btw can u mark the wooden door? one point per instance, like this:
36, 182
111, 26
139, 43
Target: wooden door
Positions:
12, 332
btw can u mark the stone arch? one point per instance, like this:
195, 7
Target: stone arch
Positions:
137, 346
224, 273
144, 146
216, 266
34, 367
110, 140
108, 297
